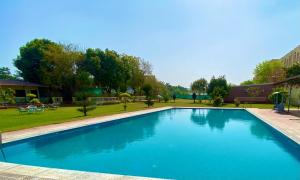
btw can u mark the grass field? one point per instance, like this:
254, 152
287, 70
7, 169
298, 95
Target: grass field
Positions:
11, 119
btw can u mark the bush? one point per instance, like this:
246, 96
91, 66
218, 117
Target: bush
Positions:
149, 102
125, 98
237, 102
217, 101
166, 98
83, 101
35, 101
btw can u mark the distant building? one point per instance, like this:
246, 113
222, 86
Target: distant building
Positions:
292, 57
22, 88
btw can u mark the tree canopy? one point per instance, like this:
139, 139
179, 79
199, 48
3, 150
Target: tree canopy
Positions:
218, 87
199, 86
269, 71
6, 74
64, 68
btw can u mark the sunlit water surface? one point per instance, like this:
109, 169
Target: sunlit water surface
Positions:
177, 144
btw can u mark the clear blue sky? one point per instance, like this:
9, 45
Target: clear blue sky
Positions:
183, 40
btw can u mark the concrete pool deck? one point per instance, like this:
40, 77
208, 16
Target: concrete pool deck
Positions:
286, 123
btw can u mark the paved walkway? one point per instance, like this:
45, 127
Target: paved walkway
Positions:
287, 123
10, 171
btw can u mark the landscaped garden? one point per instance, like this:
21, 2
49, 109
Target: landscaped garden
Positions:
58, 83
11, 119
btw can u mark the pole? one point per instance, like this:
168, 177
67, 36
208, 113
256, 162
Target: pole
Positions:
290, 94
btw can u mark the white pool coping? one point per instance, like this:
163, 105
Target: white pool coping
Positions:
18, 171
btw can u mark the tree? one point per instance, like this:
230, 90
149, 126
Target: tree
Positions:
179, 90
174, 97
194, 96
137, 75
269, 71
6, 74
61, 70
82, 95
146, 67
148, 91
83, 101
92, 64
199, 86
221, 84
31, 59
293, 71
247, 82
110, 72
7, 96
124, 97
218, 89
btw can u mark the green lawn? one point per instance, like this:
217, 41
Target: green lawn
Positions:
11, 119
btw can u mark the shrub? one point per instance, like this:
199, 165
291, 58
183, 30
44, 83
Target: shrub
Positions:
35, 101
194, 96
237, 102
166, 98
148, 91
124, 97
84, 102
7, 96
149, 102
217, 101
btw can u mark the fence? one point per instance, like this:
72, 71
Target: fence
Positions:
188, 96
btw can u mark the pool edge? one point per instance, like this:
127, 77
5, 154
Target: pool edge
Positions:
267, 122
25, 171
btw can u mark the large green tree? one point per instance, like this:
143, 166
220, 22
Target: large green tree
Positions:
92, 63
6, 74
199, 86
31, 59
218, 87
269, 71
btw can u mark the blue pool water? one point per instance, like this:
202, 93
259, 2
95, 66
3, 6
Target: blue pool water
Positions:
176, 143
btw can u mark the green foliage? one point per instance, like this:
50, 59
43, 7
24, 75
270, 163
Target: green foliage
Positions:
194, 96
248, 82
269, 71
199, 86
33, 98
283, 94
149, 93
35, 101
166, 97
65, 69
254, 91
237, 102
218, 87
179, 90
31, 59
6, 74
125, 97
293, 71
7, 96
217, 101
83, 101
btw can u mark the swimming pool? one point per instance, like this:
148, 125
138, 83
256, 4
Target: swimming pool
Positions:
175, 143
